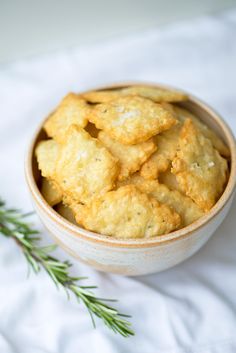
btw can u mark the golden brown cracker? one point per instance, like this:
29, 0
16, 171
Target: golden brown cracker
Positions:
128, 213
217, 142
156, 94
131, 120
101, 96
71, 110
200, 170
183, 205
130, 157
84, 169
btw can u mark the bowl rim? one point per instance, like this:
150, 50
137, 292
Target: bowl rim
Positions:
141, 242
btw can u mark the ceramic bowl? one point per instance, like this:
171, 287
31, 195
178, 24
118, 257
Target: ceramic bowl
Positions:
137, 256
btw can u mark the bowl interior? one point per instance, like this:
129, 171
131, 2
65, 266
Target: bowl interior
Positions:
204, 113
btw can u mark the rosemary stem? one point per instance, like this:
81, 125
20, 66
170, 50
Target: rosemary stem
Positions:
13, 225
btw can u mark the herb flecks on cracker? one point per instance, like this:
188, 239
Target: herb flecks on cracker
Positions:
131, 120
128, 213
200, 170
112, 151
85, 168
216, 141
183, 205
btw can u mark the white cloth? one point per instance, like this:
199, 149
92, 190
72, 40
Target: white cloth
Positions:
188, 309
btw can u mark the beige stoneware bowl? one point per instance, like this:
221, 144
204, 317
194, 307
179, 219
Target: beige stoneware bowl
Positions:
136, 256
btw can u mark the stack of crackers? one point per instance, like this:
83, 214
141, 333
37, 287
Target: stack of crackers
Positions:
130, 162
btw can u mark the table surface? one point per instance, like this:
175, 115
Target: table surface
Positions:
188, 309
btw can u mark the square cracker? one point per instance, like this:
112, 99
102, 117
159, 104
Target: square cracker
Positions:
71, 110
131, 120
160, 160
128, 213
130, 157
84, 168
217, 142
156, 94
200, 170
183, 205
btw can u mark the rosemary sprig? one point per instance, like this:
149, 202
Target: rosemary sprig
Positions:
13, 225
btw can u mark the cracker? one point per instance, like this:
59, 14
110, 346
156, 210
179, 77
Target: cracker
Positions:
66, 212
131, 120
160, 161
101, 96
128, 213
46, 154
50, 192
217, 142
156, 94
131, 157
200, 170
183, 205
71, 110
84, 167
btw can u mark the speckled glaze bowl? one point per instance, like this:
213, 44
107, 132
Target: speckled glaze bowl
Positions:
137, 256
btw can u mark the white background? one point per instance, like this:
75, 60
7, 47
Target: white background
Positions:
32, 27
188, 309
